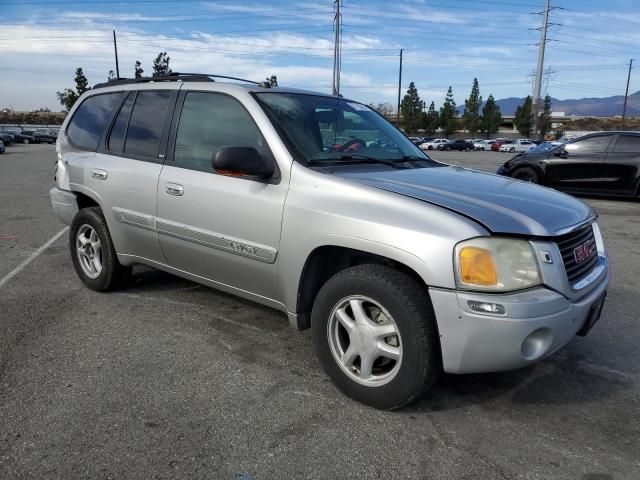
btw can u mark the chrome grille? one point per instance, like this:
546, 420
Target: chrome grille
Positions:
567, 245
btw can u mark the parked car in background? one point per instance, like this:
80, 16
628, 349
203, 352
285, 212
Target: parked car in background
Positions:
459, 145
23, 137
517, 146
44, 135
6, 138
482, 145
601, 163
564, 139
1, 146
497, 143
433, 144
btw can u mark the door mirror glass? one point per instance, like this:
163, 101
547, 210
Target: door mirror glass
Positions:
242, 162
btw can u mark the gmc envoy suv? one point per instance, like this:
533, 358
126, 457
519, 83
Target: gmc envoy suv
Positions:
403, 267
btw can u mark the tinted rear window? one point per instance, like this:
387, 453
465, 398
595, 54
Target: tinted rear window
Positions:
627, 144
147, 120
91, 118
116, 138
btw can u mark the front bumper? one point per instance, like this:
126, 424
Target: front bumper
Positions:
64, 204
535, 324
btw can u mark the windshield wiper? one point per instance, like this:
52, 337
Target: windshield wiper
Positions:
355, 159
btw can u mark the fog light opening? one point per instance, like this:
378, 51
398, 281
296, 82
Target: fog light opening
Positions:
486, 307
537, 344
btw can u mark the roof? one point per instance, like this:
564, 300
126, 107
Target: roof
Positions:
207, 79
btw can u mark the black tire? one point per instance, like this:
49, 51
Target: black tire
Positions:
467, 149
526, 174
512, 150
448, 149
430, 147
113, 275
407, 301
26, 141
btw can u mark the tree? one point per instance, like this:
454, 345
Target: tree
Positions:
524, 117
431, 119
272, 80
448, 114
161, 64
411, 108
544, 121
384, 109
491, 117
471, 116
68, 96
138, 71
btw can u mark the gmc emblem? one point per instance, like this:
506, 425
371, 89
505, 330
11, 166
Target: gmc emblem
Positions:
583, 252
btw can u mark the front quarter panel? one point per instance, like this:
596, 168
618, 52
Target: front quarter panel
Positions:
326, 210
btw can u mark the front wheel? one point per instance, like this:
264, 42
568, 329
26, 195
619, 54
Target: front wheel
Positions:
526, 174
92, 252
512, 150
375, 334
25, 141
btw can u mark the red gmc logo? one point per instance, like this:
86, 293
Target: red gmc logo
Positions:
583, 252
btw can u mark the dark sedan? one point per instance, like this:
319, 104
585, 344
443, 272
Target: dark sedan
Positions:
43, 135
606, 163
23, 137
6, 138
457, 145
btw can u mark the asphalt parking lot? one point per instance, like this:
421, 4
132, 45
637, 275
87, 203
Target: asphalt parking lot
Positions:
168, 379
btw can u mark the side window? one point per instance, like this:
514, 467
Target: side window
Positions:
91, 118
627, 144
119, 129
208, 122
147, 121
589, 145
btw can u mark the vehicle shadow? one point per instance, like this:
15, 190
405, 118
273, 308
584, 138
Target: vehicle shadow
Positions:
558, 380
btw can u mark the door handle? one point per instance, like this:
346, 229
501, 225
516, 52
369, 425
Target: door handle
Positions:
174, 189
99, 174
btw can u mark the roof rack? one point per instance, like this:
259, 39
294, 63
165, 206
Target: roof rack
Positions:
177, 77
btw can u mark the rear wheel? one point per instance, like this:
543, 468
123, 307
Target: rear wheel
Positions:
526, 174
512, 150
25, 141
375, 334
92, 252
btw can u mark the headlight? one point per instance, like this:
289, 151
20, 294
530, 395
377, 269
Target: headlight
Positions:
495, 264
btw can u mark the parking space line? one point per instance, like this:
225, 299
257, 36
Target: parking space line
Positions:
31, 258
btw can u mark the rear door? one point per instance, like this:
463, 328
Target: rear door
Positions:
578, 165
621, 166
126, 170
222, 228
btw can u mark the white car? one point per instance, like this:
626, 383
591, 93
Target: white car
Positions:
517, 146
433, 144
563, 140
482, 144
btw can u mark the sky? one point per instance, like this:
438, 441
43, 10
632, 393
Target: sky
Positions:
445, 42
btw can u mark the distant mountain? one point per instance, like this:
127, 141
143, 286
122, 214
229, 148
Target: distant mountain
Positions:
597, 107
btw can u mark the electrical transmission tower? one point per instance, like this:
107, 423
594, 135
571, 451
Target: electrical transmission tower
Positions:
337, 49
540, 67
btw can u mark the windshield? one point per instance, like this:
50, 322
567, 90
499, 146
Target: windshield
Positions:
329, 130
543, 147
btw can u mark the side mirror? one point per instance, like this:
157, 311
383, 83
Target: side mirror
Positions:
242, 162
562, 153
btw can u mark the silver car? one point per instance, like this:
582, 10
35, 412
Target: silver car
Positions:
315, 205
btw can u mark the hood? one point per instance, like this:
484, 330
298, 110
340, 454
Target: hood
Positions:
500, 204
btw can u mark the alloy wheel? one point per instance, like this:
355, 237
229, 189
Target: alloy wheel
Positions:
365, 341
89, 250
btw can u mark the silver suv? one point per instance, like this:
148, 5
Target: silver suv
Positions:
315, 205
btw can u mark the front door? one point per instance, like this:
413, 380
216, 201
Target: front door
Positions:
222, 228
578, 165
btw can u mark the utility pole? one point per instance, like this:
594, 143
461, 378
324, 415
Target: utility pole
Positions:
626, 93
115, 48
540, 67
399, 89
337, 53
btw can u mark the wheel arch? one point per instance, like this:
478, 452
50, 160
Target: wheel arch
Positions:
325, 261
